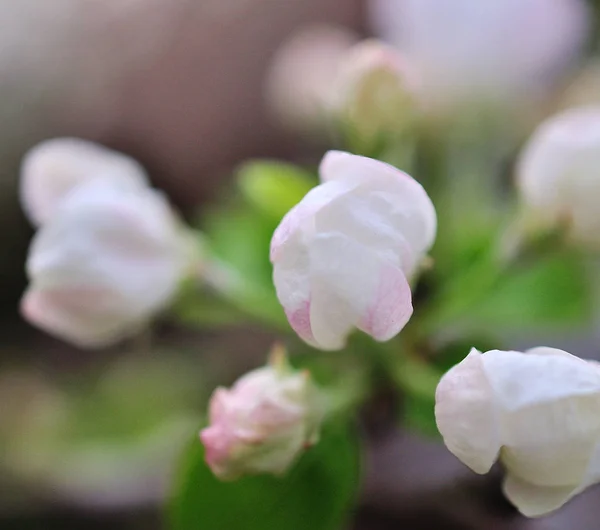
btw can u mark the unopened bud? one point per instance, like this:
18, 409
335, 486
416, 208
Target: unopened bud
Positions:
536, 412
263, 422
105, 264
374, 96
343, 256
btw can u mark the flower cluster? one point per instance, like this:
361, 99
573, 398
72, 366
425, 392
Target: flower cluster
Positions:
348, 252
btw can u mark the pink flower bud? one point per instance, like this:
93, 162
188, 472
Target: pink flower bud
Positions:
343, 256
54, 168
107, 261
262, 423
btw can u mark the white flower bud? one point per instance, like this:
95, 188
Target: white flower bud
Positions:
559, 177
54, 168
374, 94
263, 423
106, 263
537, 412
343, 256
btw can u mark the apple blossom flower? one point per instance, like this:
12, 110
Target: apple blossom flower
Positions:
54, 168
558, 175
107, 261
343, 257
263, 422
470, 50
536, 412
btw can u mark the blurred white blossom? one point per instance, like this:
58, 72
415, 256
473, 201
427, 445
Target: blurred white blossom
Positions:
108, 260
54, 168
537, 412
343, 257
558, 174
302, 76
495, 50
263, 423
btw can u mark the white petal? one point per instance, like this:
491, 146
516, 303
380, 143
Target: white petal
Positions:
347, 283
369, 218
300, 216
592, 473
535, 501
466, 414
292, 284
404, 192
517, 381
55, 167
549, 401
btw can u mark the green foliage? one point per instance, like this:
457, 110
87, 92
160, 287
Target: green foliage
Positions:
316, 494
551, 293
240, 236
274, 187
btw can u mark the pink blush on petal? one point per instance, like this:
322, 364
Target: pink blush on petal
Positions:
391, 308
218, 444
299, 320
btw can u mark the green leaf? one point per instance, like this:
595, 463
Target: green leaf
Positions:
274, 187
552, 293
241, 237
317, 493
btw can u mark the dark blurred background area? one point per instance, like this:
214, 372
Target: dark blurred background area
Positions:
89, 440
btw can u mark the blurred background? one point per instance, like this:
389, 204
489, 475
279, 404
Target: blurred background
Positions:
89, 439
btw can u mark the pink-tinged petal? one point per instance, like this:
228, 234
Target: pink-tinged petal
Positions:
218, 446
68, 314
218, 405
299, 320
346, 283
392, 306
